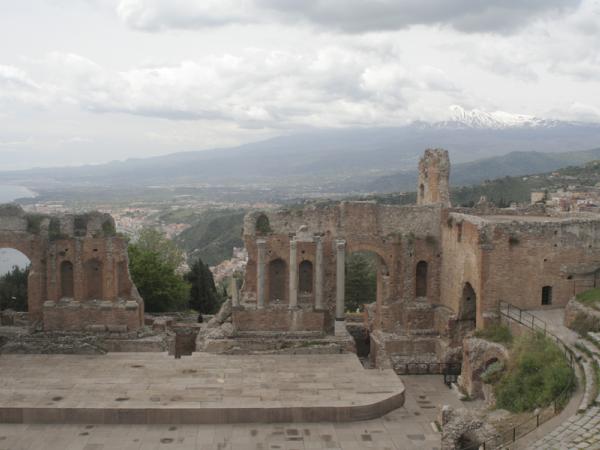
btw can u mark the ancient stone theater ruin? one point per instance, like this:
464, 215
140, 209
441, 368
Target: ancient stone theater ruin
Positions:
79, 276
441, 271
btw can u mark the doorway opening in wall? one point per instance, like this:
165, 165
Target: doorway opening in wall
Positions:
305, 283
14, 275
365, 275
547, 295
467, 314
278, 287
361, 280
421, 279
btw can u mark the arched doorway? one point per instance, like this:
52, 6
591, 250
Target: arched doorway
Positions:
277, 282
305, 282
421, 279
66, 280
467, 313
14, 279
366, 279
93, 279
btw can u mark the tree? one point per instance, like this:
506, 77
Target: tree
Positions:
152, 240
361, 281
204, 297
153, 263
13, 289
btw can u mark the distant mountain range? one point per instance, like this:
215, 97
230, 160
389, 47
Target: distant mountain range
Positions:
511, 164
351, 160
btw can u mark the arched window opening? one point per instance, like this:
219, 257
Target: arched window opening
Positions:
14, 279
547, 295
421, 191
66, 279
305, 278
93, 279
421, 279
262, 225
468, 310
277, 281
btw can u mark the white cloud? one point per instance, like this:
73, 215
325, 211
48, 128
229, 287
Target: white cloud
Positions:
354, 16
333, 86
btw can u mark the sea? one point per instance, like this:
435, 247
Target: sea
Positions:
8, 256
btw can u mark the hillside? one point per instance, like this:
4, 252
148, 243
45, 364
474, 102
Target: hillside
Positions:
212, 236
339, 160
511, 164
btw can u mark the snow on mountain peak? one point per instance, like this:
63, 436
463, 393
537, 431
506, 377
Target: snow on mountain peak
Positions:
477, 118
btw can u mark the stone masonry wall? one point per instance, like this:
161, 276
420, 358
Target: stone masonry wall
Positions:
79, 275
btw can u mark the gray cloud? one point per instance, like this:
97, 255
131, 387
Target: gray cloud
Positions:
352, 16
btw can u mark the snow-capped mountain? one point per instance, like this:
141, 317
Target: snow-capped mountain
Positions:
477, 118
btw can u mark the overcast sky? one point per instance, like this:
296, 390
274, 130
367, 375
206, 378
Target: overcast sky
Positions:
86, 81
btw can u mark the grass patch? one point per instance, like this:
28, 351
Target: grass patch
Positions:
584, 324
498, 333
590, 298
537, 374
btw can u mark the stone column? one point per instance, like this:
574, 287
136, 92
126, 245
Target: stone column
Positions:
319, 274
293, 274
340, 281
261, 245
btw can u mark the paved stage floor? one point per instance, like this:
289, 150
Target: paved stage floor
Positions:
145, 388
407, 428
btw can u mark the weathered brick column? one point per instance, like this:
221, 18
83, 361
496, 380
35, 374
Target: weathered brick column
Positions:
293, 303
319, 274
261, 245
340, 279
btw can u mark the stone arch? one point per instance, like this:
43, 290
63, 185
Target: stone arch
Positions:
421, 279
17, 297
468, 304
278, 291
305, 277
383, 279
67, 284
262, 224
92, 270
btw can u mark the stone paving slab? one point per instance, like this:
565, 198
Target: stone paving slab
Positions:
144, 388
406, 428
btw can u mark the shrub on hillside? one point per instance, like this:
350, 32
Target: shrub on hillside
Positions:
498, 333
537, 373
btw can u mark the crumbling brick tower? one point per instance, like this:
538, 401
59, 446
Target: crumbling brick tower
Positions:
434, 175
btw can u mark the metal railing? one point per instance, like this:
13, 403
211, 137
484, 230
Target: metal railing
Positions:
533, 323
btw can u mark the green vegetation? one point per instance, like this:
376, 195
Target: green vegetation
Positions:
34, 222
590, 298
537, 374
152, 240
213, 235
108, 228
361, 280
498, 333
153, 263
493, 373
585, 323
204, 297
262, 224
13, 289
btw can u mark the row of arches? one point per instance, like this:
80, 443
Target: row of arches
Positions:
278, 280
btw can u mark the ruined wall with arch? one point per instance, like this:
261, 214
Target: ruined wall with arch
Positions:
76, 264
